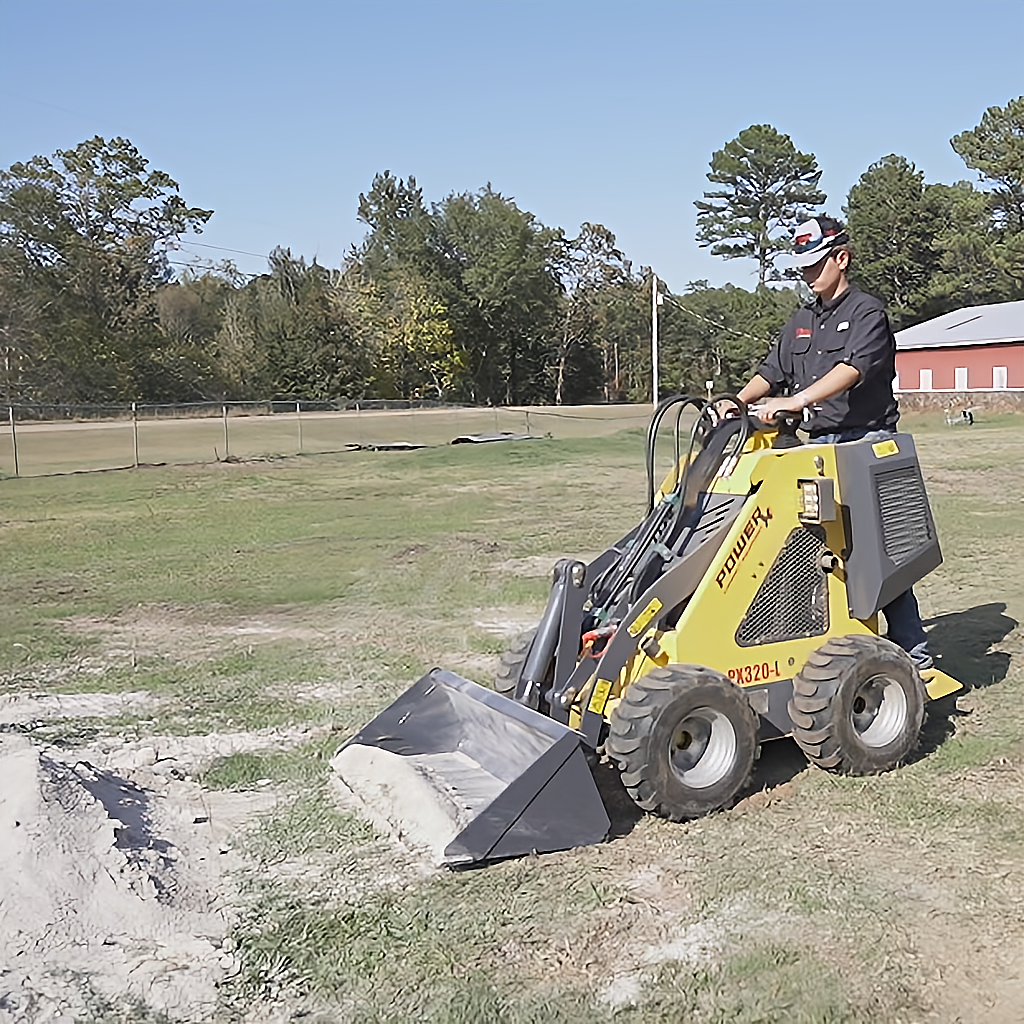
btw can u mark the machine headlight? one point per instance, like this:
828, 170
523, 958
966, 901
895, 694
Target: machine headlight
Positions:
817, 500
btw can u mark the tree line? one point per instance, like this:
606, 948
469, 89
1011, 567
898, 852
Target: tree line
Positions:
469, 298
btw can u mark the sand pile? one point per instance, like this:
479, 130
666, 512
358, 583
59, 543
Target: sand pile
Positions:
96, 909
425, 801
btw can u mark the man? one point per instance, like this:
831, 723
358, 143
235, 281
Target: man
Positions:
837, 359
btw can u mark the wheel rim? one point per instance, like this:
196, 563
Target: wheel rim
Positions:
879, 711
702, 748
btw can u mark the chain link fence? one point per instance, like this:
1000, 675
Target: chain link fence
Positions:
42, 440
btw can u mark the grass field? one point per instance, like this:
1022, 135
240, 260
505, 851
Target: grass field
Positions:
69, 447
249, 616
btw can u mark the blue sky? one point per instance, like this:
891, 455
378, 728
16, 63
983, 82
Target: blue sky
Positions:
277, 115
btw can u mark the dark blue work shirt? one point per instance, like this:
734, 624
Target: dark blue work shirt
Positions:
852, 328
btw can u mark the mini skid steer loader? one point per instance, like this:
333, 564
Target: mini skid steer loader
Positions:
743, 608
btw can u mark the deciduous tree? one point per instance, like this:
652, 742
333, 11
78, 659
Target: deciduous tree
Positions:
86, 233
720, 334
592, 269
503, 290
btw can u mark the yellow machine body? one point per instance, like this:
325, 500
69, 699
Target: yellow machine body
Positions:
705, 633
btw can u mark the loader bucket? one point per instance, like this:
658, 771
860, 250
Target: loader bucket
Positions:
466, 775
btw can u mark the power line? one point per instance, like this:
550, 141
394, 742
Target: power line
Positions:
52, 106
196, 266
221, 248
241, 273
715, 323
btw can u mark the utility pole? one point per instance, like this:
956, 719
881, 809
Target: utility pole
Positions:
656, 301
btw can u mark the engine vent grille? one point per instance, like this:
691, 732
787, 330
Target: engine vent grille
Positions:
903, 509
792, 600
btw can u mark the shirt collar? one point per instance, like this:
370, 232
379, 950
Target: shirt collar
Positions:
831, 304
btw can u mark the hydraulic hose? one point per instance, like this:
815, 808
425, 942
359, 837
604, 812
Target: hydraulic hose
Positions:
609, 586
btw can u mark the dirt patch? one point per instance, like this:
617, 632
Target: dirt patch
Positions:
20, 708
112, 892
997, 487
532, 565
505, 624
74, 673
188, 634
536, 565
695, 945
319, 692
973, 961
185, 755
481, 668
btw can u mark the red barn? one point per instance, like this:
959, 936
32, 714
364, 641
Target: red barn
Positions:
977, 348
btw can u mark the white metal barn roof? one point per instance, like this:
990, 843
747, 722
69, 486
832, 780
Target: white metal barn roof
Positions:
972, 325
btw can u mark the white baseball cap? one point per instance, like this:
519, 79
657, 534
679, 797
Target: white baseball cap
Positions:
815, 239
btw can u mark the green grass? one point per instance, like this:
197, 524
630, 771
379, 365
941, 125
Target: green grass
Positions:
307, 594
371, 530
477, 947
309, 824
305, 765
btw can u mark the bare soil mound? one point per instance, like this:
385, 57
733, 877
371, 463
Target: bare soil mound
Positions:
98, 910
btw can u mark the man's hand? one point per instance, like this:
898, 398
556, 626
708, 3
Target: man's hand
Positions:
726, 409
840, 378
768, 410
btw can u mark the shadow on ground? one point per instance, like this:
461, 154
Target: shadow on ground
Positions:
780, 762
624, 814
961, 642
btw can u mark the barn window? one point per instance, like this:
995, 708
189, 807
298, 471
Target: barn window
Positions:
999, 378
926, 380
960, 378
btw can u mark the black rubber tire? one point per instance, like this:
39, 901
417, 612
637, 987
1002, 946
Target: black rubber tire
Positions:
685, 740
511, 664
857, 705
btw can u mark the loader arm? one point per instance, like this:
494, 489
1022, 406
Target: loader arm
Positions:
582, 597
661, 600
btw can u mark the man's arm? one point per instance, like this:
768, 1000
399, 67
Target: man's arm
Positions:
757, 387
839, 379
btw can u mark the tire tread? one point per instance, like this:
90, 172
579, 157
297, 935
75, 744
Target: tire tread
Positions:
634, 719
818, 724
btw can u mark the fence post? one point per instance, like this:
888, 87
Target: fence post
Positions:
14, 438
135, 432
227, 450
298, 421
